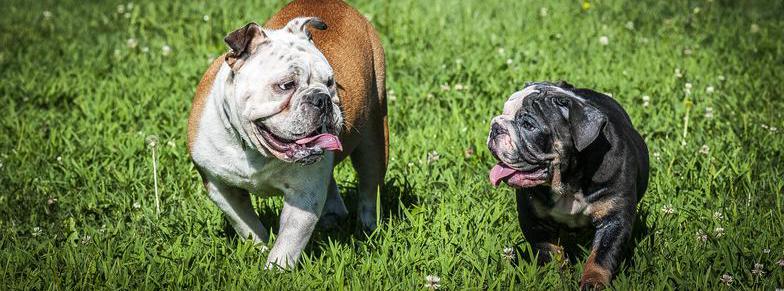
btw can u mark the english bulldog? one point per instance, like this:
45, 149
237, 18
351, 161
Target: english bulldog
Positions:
275, 114
578, 166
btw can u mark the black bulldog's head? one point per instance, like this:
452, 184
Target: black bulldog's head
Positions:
539, 133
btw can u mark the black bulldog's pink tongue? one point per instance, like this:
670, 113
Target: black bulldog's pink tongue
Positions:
325, 141
500, 172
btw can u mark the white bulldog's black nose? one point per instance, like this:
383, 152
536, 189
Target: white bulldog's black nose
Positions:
318, 100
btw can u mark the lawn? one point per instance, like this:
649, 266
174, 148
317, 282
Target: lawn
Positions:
86, 86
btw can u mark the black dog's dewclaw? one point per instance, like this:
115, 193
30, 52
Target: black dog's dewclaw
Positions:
597, 171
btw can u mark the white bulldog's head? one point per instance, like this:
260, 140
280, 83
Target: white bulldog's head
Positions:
281, 92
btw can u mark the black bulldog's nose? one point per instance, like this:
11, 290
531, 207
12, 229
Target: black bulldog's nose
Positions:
318, 100
495, 130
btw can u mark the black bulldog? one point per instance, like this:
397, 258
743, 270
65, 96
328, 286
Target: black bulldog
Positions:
579, 168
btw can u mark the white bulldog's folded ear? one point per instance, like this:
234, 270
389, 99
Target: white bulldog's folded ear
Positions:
299, 25
243, 43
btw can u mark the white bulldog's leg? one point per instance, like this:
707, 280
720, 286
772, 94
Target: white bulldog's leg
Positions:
334, 209
302, 206
235, 204
297, 220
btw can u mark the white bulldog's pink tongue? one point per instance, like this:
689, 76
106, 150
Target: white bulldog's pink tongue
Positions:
500, 172
325, 141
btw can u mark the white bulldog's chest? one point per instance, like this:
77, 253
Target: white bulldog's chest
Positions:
570, 210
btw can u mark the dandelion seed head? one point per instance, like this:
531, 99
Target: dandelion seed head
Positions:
509, 62
206, 17
151, 140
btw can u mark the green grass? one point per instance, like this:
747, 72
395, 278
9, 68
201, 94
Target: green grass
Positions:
78, 103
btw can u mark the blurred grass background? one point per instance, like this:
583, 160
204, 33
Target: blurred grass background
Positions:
84, 84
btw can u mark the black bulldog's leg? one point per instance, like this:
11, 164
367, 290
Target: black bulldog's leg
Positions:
613, 230
542, 236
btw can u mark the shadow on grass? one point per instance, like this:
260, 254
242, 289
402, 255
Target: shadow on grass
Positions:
396, 194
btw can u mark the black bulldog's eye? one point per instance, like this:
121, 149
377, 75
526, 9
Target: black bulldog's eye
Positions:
288, 85
562, 101
524, 120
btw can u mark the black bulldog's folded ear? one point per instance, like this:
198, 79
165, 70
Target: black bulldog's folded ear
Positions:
300, 24
586, 123
243, 43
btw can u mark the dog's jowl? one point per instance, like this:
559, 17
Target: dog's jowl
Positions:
275, 114
578, 167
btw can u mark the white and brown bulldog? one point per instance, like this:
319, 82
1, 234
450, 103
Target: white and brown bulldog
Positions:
281, 109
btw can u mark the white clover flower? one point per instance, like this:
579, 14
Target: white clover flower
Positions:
630, 25
604, 40
117, 53
432, 282
432, 157
721, 78
766, 251
708, 112
678, 73
444, 87
726, 279
120, 9
710, 90
501, 51
145, 49
509, 62
206, 17
773, 129
37, 231
687, 51
47, 14
459, 87
59, 159
129, 6
701, 236
696, 10
754, 28
758, 269
410, 164
132, 43
667, 209
508, 253
718, 216
781, 262
543, 12
127, 15
646, 100
171, 143
166, 50
86, 239
51, 201
137, 205
704, 149
458, 61
718, 232
657, 155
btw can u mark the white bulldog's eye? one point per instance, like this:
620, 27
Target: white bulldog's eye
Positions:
288, 85
330, 82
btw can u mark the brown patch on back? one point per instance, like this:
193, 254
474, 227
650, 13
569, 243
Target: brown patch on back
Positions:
200, 98
354, 52
594, 275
